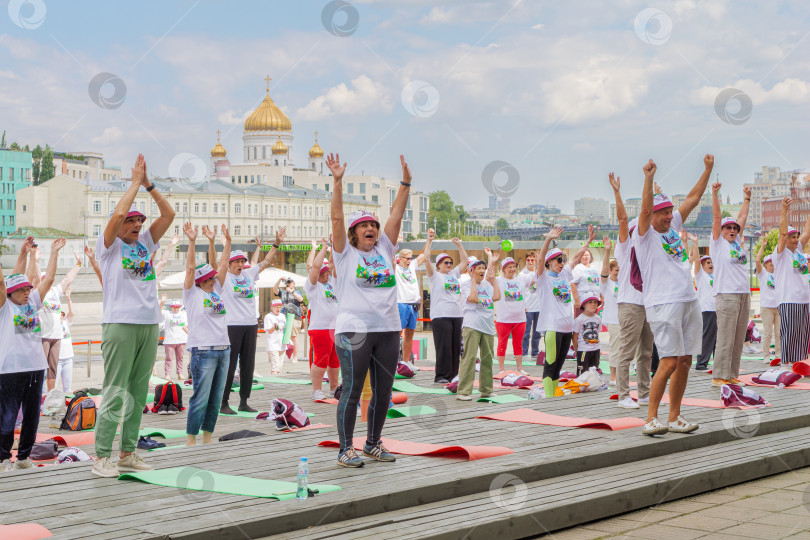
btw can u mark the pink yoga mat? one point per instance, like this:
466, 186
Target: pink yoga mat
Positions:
24, 531
409, 448
530, 416
693, 402
80, 438
311, 426
795, 386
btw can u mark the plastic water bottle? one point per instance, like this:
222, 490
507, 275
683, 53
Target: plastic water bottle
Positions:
303, 475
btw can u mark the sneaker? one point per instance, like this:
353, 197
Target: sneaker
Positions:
486, 395
24, 464
148, 443
611, 383
244, 407
738, 382
719, 382
105, 468
172, 409
6, 465
441, 381
350, 459
628, 403
643, 400
225, 409
164, 409
702, 369
463, 397
523, 372
318, 394
133, 463
750, 349
654, 427
682, 426
378, 452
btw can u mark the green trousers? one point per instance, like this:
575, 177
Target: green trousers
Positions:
129, 352
473, 342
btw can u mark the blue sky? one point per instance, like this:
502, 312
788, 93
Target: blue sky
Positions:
563, 91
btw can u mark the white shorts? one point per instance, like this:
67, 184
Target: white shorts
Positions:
677, 328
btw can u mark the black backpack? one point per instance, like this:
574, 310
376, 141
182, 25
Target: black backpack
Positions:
168, 394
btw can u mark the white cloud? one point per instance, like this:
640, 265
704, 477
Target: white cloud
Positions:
538, 26
109, 135
788, 91
232, 117
365, 96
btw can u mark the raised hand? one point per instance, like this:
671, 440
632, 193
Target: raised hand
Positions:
716, 187
226, 234
37, 253
88, 251
786, 202
27, 245
58, 244
708, 161
554, 233
281, 234
209, 233
431, 235
406, 172
657, 188
77, 257
175, 240
190, 231
649, 169
747, 192
164, 297
488, 252
607, 243
615, 182
337, 170
139, 170
456, 241
692, 237
591, 233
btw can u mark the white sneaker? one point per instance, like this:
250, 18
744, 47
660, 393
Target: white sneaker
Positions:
463, 397
644, 400
654, 427
682, 426
628, 403
523, 372
611, 383
6, 465
105, 468
133, 463
24, 464
318, 394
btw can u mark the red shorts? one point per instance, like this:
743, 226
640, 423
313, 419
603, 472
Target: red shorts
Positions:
504, 330
323, 349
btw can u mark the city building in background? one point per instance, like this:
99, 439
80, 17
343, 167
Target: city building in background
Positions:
799, 209
590, 209
15, 174
84, 166
769, 182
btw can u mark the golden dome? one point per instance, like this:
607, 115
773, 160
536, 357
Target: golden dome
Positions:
316, 151
268, 117
279, 148
218, 150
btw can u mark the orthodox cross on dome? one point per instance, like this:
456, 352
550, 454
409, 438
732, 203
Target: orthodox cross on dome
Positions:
267, 80
316, 135
218, 133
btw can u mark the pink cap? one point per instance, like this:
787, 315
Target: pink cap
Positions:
442, 256
203, 272
705, 258
553, 254
236, 255
587, 299
633, 224
276, 302
175, 303
474, 262
360, 216
729, 221
16, 281
133, 211
791, 230
325, 266
661, 201
508, 260
768, 258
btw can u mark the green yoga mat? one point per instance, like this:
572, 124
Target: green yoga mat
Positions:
288, 327
255, 386
201, 480
282, 380
167, 447
505, 398
409, 387
162, 432
414, 410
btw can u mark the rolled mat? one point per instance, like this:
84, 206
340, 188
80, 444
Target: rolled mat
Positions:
530, 416
802, 368
329, 400
410, 448
24, 531
282, 380
411, 388
694, 402
196, 479
414, 410
427, 368
505, 398
288, 327
795, 386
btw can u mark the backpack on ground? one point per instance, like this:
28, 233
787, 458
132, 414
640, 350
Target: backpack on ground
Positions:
288, 414
81, 413
168, 394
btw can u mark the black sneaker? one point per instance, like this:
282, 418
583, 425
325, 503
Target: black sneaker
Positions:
702, 369
164, 409
172, 409
244, 407
225, 409
145, 443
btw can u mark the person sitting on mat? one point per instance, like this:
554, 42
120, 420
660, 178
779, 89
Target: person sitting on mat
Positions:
22, 360
208, 340
323, 302
367, 326
478, 327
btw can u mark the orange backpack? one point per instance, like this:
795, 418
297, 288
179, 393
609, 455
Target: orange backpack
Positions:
81, 413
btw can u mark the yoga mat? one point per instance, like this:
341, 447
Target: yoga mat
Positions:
255, 386
155, 380
802, 368
694, 402
410, 448
398, 376
415, 410
330, 401
282, 380
161, 432
167, 447
795, 386
530, 416
24, 531
201, 480
409, 387
503, 374
505, 398
78, 438
288, 326
242, 414
311, 426
427, 368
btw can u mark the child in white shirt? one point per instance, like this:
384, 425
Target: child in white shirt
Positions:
586, 335
274, 323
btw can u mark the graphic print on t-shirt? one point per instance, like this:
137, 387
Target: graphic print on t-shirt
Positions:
451, 285
373, 271
138, 261
51, 302
671, 242
737, 254
407, 276
769, 282
560, 289
799, 262
214, 303
176, 322
65, 330
512, 292
242, 286
329, 293
484, 299
26, 320
590, 332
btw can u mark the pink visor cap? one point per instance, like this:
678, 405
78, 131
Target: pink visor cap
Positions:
553, 254
203, 272
791, 230
661, 201
705, 258
360, 216
508, 260
236, 255
276, 302
474, 262
325, 266
133, 211
729, 221
588, 299
16, 281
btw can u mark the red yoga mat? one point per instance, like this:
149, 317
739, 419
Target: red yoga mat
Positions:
530, 416
409, 448
397, 397
80, 438
693, 402
802, 368
795, 386
24, 531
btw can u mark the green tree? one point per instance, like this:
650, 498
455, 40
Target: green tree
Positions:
46, 170
726, 213
502, 223
15, 146
771, 239
3, 140
36, 163
3, 246
442, 211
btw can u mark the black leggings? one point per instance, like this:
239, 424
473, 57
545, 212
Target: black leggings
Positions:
586, 360
373, 353
19, 389
243, 351
557, 345
447, 340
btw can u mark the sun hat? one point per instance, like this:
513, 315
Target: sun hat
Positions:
661, 201
360, 216
508, 260
553, 254
587, 299
237, 254
729, 221
16, 281
442, 256
203, 272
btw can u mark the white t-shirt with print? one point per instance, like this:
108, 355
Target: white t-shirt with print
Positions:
207, 317
557, 306
51, 314
22, 341
587, 330
791, 274
407, 284
323, 304
587, 281
239, 292
610, 292
66, 346
366, 286
445, 294
730, 267
531, 296
664, 265
128, 274
481, 315
173, 325
768, 296
705, 290
274, 338
627, 293
510, 308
